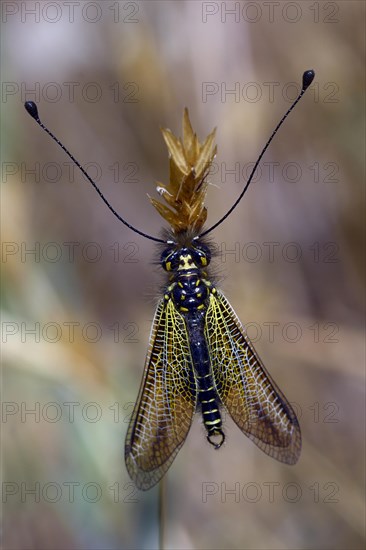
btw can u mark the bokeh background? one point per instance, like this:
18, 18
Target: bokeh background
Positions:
76, 311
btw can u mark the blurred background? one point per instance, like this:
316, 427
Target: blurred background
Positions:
79, 288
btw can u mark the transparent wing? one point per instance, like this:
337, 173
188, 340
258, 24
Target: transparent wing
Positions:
245, 388
166, 402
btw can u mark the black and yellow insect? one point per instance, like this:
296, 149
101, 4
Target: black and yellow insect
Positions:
199, 356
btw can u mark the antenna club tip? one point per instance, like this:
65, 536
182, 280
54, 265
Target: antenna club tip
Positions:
31, 108
307, 79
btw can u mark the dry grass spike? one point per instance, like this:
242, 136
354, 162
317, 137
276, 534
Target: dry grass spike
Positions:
190, 162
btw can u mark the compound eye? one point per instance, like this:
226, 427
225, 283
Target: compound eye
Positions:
202, 255
169, 260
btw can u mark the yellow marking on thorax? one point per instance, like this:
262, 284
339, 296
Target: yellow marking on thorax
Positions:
187, 262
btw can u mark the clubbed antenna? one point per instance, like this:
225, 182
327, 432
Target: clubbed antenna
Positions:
190, 162
307, 79
32, 109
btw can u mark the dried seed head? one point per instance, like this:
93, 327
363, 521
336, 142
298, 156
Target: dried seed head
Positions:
190, 162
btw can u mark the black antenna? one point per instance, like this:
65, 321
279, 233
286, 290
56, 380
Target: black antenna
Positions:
31, 108
307, 79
